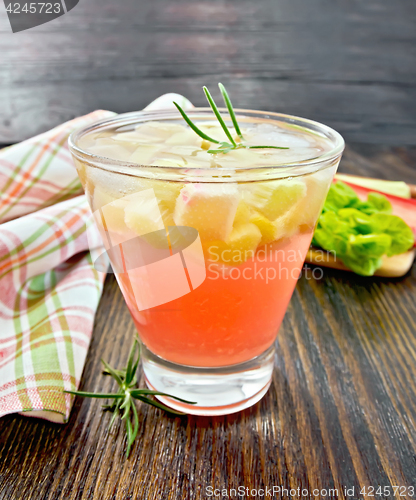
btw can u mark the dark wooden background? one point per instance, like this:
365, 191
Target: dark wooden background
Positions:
348, 63
341, 411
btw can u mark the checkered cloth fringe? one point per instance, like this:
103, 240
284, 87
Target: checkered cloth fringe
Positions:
49, 289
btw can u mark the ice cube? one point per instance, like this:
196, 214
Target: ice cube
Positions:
144, 154
162, 130
165, 162
114, 183
274, 198
184, 138
266, 134
239, 247
136, 137
208, 208
142, 213
108, 148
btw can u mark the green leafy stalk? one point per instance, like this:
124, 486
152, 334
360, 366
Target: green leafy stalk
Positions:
224, 147
116, 374
193, 126
230, 108
218, 115
95, 395
123, 400
157, 404
360, 232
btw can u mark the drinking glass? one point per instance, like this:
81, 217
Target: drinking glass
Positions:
206, 258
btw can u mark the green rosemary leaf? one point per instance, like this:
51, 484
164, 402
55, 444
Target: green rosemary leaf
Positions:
224, 147
127, 398
139, 392
122, 402
219, 117
126, 407
120, 373
136, 364
113, 372
130, 371
159, 405
95, 395
129, 432
194, 127
135, 422
115, 415
217, 151
230, 108
112, 406
266, 147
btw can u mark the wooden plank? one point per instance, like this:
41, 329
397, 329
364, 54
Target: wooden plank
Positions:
348, 65
392, 267
341, 411
379, 120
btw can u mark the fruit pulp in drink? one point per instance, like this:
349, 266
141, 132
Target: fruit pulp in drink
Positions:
254, 235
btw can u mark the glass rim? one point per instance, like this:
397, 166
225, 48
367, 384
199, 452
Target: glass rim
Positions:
290, 169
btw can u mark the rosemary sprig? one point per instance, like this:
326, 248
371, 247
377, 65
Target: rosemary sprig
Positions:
123, 400
193, 126
224, 147
230, 108
219, 117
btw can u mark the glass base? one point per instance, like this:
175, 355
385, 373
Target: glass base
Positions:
216, 391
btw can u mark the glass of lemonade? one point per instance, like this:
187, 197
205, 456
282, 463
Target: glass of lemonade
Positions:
206, 248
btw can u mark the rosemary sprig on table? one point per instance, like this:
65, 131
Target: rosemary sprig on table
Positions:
224, 147
123, 400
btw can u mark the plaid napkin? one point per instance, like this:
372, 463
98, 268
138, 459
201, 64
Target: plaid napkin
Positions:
49, 289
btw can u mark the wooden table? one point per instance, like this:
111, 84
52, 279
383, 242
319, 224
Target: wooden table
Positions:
341, 411
348, 64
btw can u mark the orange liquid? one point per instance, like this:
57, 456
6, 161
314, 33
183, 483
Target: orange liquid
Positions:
233, 316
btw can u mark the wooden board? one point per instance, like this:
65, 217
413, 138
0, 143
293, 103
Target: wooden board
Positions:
392, 267
340, 413
349, 65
